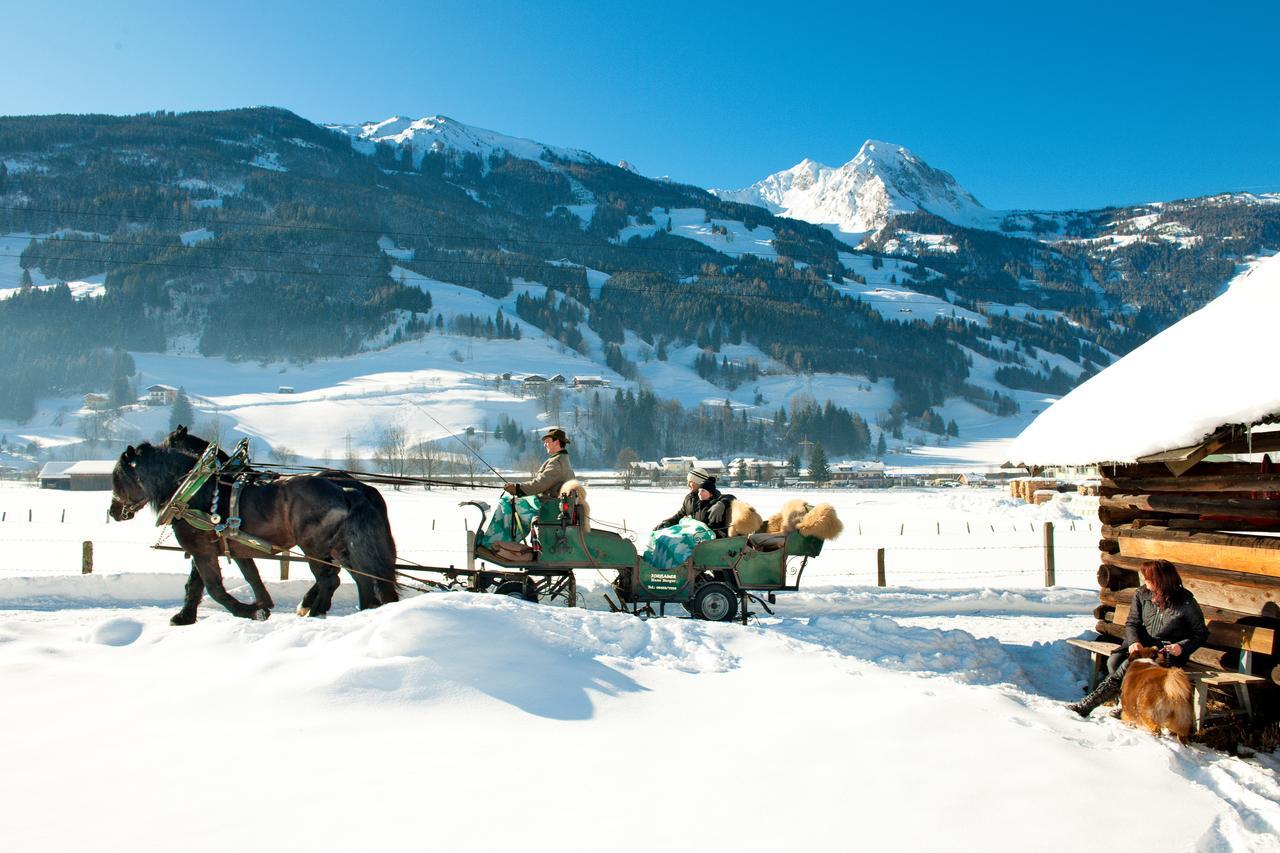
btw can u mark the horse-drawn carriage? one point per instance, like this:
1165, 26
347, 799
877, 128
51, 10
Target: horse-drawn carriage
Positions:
715, 582
244, 521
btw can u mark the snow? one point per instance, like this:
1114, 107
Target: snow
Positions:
690, 223
196, 237
443, 133
11, 248
882, 180
835, 710
1208, 369
269, 160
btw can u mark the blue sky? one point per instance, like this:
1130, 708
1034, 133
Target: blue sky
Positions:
1077, 105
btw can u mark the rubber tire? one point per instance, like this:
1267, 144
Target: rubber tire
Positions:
720, 598
515, 589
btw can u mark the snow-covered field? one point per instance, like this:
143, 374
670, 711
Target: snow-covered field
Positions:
925, 715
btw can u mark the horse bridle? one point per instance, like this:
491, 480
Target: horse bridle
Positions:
128, 511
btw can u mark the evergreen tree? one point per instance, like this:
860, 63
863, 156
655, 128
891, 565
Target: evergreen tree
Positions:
793, 464
819, 470
881, 446
181, 412
953, 429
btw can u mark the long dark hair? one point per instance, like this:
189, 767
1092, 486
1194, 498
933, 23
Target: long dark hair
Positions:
1163, 580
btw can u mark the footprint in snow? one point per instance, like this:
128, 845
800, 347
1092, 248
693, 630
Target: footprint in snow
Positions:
116, 632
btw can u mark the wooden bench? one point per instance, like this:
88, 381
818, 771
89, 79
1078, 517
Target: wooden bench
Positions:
1202, 678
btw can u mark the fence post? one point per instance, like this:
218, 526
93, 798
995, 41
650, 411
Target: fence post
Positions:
880, 567
1050, 576
284, 566
86, 558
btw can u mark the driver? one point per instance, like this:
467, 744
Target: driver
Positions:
553, 474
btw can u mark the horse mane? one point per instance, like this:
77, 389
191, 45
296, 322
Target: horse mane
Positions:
159, 470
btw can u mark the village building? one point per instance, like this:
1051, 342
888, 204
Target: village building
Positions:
96, 402
1186, 446
84, 476
590, 382
860, 473
161, 395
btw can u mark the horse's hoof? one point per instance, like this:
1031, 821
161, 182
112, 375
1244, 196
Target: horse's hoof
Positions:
182, 619
261, 614
304, 611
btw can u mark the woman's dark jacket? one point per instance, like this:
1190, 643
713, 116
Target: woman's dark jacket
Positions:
1182, 622
714, 512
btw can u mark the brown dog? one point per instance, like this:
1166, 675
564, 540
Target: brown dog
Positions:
1154, 695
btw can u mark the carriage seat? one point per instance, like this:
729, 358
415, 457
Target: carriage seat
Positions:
767, 541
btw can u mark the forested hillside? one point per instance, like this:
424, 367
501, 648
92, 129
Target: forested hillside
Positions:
254, 234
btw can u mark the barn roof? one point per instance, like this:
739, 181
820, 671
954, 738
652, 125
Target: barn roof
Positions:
1214, 367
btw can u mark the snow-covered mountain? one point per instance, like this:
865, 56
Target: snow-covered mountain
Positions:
882, 180
441, 133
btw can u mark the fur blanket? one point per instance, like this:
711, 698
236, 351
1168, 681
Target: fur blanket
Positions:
743, 519
820, 522
578, 491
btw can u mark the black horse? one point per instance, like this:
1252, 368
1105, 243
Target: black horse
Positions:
182, 439
329, 523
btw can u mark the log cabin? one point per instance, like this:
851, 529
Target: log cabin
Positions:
1186, 431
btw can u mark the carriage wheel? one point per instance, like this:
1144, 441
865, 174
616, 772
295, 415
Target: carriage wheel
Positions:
516, 589
715, 602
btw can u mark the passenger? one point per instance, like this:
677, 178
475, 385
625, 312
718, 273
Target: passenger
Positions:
1163, 614
553, 474
704, 503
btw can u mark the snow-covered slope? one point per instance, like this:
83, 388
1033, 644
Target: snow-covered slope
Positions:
860, 196
440, 133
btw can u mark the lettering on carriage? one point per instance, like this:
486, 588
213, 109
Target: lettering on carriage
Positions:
663, 577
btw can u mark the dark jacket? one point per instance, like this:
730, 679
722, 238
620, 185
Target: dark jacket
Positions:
1182, 622
714, 512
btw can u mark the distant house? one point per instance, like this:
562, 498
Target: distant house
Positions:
558, 379
54, 475
86, 475
285, 389
534, 379
96, 401
161, 395
859, 473
506, 377
676, 464
590, 382
974, 479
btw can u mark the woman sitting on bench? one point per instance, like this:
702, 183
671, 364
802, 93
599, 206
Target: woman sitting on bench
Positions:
1163, 614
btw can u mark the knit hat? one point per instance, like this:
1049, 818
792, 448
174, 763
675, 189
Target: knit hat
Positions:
701, 476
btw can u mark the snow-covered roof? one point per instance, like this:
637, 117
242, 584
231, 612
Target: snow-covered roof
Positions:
54, 470
92, 466
1214, 367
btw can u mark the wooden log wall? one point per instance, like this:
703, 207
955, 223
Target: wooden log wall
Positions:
1218, 524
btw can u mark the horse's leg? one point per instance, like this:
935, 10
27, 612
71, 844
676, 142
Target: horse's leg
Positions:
365, 590
211, 574
249, 569
191, 599
327, 581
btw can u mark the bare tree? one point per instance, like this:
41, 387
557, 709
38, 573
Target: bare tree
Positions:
392, 451
626, 465
350, 461
426, 459
284, 455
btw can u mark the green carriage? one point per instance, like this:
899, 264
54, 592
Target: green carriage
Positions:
715, 583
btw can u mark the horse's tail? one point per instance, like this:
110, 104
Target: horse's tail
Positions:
370, 547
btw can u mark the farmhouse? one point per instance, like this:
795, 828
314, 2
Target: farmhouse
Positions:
161, 395
590, 382
1186, 445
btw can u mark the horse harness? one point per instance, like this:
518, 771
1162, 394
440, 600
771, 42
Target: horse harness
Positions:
178, 507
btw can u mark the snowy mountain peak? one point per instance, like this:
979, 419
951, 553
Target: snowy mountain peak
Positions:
882, 179
441, 133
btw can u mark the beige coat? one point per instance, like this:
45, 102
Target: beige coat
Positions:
553, 474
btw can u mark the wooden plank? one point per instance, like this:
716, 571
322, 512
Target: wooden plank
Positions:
1205, 656
1257, 555
1174, 504
1210, 586
1193, 483
1222, 634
